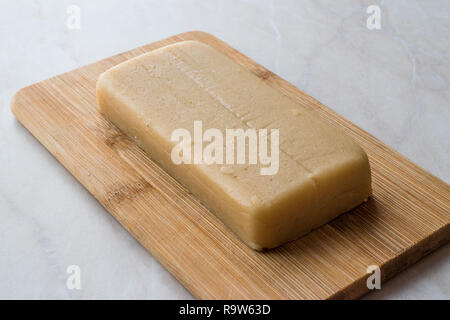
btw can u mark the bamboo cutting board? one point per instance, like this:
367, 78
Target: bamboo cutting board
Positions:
407, 217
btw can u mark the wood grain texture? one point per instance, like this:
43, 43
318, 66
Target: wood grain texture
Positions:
407, 217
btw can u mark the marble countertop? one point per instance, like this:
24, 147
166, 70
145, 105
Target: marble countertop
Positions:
392, 82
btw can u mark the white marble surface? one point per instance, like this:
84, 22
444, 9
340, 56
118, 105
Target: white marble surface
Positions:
392, 82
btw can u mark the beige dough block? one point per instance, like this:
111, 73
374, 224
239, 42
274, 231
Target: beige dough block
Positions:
322, 172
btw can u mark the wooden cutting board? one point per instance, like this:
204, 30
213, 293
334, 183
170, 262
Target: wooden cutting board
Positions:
407, 217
